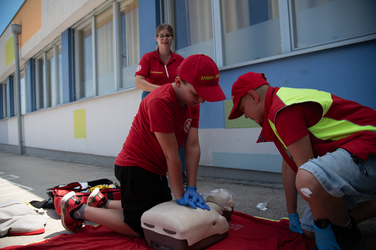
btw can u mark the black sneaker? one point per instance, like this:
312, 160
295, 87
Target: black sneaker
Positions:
346, 237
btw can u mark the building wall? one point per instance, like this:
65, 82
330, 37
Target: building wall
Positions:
98, 126
104, 120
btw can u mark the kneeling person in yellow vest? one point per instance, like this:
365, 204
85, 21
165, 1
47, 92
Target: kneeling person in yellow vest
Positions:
328, 145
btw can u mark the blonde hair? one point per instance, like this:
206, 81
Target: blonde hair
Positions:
162, 27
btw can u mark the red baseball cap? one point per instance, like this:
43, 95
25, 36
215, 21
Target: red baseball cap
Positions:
240, 88
202, 72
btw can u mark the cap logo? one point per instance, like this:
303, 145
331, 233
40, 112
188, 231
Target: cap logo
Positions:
209, 77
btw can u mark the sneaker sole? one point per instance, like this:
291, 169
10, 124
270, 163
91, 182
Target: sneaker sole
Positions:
91, 198
63, 205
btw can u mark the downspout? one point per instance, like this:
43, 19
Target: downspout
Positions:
16, 29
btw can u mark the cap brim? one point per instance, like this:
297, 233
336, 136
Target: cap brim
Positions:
210, 93
235, 112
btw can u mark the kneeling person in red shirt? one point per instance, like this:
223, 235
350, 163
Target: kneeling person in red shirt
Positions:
166, 118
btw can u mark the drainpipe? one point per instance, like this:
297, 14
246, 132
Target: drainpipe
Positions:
16, 29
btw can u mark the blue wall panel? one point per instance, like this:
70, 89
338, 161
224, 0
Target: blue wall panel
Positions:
257, 162
348, 72
211, 115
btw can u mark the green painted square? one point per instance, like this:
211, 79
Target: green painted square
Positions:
241, 122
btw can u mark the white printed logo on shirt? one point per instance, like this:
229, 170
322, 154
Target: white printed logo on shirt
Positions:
187, 125
138, 68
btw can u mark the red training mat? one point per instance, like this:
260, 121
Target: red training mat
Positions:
246, 232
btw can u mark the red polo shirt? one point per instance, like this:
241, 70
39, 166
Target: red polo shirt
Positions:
155, 71
162, 112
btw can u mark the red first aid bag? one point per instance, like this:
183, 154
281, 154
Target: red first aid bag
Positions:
108, 188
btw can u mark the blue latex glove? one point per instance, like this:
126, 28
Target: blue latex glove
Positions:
325, 238
294, 223
193, 199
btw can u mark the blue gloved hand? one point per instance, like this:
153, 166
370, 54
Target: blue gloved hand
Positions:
325, 238
184, 202
193, 199
294, 223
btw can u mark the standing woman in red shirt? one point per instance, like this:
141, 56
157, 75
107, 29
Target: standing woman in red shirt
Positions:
158, 67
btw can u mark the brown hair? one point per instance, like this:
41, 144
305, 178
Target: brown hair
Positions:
164, 26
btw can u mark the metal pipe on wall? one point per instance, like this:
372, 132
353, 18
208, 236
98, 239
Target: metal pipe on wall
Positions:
16, 29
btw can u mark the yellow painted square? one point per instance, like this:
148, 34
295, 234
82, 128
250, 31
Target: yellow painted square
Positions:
9, 51
79, 119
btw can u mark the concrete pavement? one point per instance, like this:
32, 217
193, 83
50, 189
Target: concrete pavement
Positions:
26, 178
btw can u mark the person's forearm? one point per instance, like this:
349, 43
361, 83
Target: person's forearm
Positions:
288, 176
175, 177
291, 201
192, 159
141, 83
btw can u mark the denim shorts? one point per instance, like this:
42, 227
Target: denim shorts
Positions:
341, 175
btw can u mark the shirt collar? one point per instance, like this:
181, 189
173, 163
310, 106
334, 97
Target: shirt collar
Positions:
156, 55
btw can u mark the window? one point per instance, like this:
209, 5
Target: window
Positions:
23, 92
323, 21
48, 77
3, 100
84, 56
60, 73
105, 52
54, 76
106, 60
10, 96
50, 81
39, 82
250, 29
193, 27
130, 42
239, 31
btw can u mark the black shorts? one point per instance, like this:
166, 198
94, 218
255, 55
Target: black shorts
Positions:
140, 191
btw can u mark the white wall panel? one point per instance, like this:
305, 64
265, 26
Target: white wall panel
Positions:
108, 120
4, 131
12, 131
